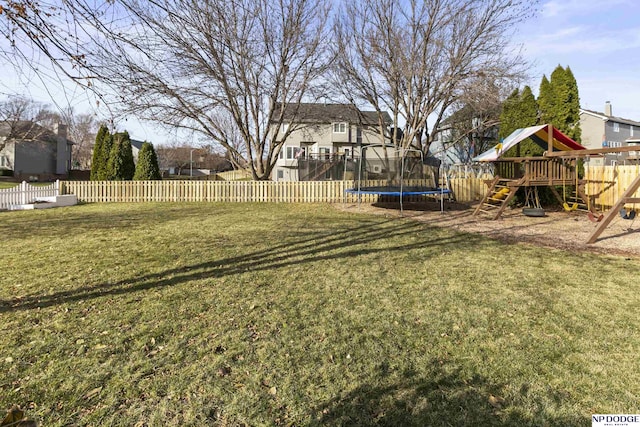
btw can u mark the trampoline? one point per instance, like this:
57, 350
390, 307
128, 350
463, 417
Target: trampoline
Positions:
395, 170
399, 191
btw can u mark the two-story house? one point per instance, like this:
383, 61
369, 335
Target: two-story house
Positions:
29, 151
601, 130
322, 140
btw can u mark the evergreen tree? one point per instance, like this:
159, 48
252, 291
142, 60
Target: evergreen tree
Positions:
107, 144
120, 166
545, 101
147, 167
528, 109
509, 114
98, 160
560, 102
573, 129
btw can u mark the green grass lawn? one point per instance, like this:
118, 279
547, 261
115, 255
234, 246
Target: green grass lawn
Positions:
265, 314
6, 184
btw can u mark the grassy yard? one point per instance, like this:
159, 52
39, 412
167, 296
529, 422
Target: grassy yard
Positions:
264, 314
6, 184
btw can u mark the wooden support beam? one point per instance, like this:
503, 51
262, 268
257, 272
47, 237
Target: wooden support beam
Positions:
626, 196
550, 138
590, 152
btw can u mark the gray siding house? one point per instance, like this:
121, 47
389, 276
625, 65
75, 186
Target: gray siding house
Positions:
600, 130
32, 152
322, 140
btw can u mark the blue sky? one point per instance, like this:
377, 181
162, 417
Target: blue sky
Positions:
598, 39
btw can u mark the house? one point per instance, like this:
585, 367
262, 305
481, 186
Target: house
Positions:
601, 130
31, 152
136, 146
323, 140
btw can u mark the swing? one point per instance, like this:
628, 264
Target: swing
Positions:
565, 205
627, 214
593, 218
533, 208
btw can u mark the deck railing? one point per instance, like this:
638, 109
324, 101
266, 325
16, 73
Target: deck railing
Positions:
536, 170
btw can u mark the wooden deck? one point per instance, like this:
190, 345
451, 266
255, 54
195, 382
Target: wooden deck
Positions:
537, 171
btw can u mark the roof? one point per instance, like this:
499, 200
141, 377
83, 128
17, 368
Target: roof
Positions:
27, 130
612, 118
538, 134
136, 143
330, 113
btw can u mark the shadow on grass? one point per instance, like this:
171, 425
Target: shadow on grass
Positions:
424, 206
313, 247
444, 397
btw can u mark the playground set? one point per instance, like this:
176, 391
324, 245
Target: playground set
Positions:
558, 167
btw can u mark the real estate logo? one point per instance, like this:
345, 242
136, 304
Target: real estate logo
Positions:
615, 420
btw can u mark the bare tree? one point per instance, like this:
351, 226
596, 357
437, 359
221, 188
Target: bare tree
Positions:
82, 131
18, 118
36, 119
472, 125
416, 58
187, 63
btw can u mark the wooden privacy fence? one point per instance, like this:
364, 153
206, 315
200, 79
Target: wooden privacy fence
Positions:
245, 191
25, 193
607, 183
604, 183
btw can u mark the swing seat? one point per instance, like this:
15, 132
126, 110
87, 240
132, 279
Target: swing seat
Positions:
625, 214
593, 218
533, 212
568, 208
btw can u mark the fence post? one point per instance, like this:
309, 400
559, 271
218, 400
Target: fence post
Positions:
23, 193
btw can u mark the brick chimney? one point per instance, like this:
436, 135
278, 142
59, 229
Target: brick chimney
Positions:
607, 109
61, 130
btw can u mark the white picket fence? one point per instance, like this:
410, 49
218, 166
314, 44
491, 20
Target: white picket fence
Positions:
25, 193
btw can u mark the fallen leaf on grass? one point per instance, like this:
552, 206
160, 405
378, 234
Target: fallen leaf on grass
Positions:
93, 393
273, 391
496, 401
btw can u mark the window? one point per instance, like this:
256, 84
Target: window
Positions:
284, 127
616, 127
4, 162
280, 174
615, 144
281, 154
296, 153
359, 136
339, 128
325, 153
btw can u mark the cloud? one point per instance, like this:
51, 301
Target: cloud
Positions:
557, 8
583, 40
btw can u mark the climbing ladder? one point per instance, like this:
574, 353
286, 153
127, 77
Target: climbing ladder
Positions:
497, 197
